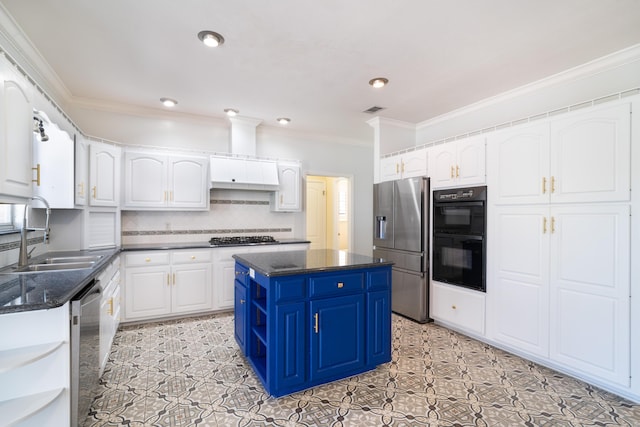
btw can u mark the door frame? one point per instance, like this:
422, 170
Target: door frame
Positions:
334, 214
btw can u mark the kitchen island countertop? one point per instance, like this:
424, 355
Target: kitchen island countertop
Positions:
310, 261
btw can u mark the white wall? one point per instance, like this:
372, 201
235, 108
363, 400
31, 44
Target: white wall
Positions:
614, 73
318, 154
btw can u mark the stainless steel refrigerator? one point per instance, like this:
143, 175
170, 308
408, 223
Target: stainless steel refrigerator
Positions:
401, 223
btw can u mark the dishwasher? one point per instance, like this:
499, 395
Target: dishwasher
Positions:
85, 350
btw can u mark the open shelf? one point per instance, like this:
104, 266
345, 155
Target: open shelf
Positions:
261, 333
261, 304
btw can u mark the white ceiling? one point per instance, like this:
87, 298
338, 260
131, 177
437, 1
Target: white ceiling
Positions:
312, 60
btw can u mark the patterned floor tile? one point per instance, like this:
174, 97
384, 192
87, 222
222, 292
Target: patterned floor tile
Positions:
190, 372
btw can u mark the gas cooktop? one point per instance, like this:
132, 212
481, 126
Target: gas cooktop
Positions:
241, 240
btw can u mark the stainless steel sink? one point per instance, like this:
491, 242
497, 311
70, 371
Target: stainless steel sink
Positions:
56, 266
71, 259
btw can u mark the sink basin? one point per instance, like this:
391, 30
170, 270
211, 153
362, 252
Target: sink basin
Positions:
56, 266
71, 259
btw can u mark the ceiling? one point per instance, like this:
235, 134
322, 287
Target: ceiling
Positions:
312, 60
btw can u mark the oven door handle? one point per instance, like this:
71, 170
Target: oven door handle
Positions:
457, 236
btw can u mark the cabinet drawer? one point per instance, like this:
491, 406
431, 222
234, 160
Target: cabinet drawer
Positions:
139, 259
336, 284
379, 280
458, 306
187, 257
293, 289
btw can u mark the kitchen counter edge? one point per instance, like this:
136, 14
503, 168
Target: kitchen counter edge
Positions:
200, 245
65, 283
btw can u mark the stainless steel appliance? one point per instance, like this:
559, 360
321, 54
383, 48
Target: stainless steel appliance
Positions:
401, 223
459, 243
85, 350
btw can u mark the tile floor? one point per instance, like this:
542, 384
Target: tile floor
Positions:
190, 372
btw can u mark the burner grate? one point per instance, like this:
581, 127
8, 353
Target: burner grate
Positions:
241, 240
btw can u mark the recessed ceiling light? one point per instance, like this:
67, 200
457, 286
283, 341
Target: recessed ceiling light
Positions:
378, 82
168, 102
284, 120
231, 112
210, 38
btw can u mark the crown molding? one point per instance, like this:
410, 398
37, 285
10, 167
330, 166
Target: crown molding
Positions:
19, 47
378, 120
599, 65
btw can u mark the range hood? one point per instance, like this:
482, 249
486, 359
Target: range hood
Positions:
241, 169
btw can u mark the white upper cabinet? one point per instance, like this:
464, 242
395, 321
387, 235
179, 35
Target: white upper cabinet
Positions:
145, 180
187, 181
82, 170
104, 174
16, 133
154, 180
581, 158
55, 160
243, 173
518, 161
458, 163
288, 197
590, 156
405, 165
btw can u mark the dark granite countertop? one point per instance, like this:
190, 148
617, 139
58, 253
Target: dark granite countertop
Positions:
48, 289
311, 261
200, 245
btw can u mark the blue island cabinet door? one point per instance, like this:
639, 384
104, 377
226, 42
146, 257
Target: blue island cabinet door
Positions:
240, 312
290, 356
337, 336
378, 328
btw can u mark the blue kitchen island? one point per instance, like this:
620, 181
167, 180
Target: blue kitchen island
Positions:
304, 318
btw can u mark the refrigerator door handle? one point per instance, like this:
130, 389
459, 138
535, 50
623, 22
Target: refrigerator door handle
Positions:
381, 227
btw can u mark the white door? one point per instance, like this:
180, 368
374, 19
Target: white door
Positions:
104, 174
16, 132
188, 182
288, 196
590, 156
389, 168
518, 282
82, 170
414, 163
145, 180
442, 165
518, 165
191, 288
590, 288
317, 213
470, 165
147, 292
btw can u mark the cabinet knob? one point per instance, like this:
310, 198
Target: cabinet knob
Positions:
193, 257
241, 301
147, 260
453, 307
340, 285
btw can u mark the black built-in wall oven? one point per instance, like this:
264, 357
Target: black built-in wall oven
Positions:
459, 242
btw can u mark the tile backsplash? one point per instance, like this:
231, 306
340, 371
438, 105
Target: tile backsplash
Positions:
232, 212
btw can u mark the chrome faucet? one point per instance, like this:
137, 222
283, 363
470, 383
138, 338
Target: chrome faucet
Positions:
23, 257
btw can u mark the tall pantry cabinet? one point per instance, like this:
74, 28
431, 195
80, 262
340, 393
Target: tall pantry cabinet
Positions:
559, 258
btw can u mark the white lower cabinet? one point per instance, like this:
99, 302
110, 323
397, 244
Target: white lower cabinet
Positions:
458, 307
109, 309
163, 283
34, 368
559, 287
